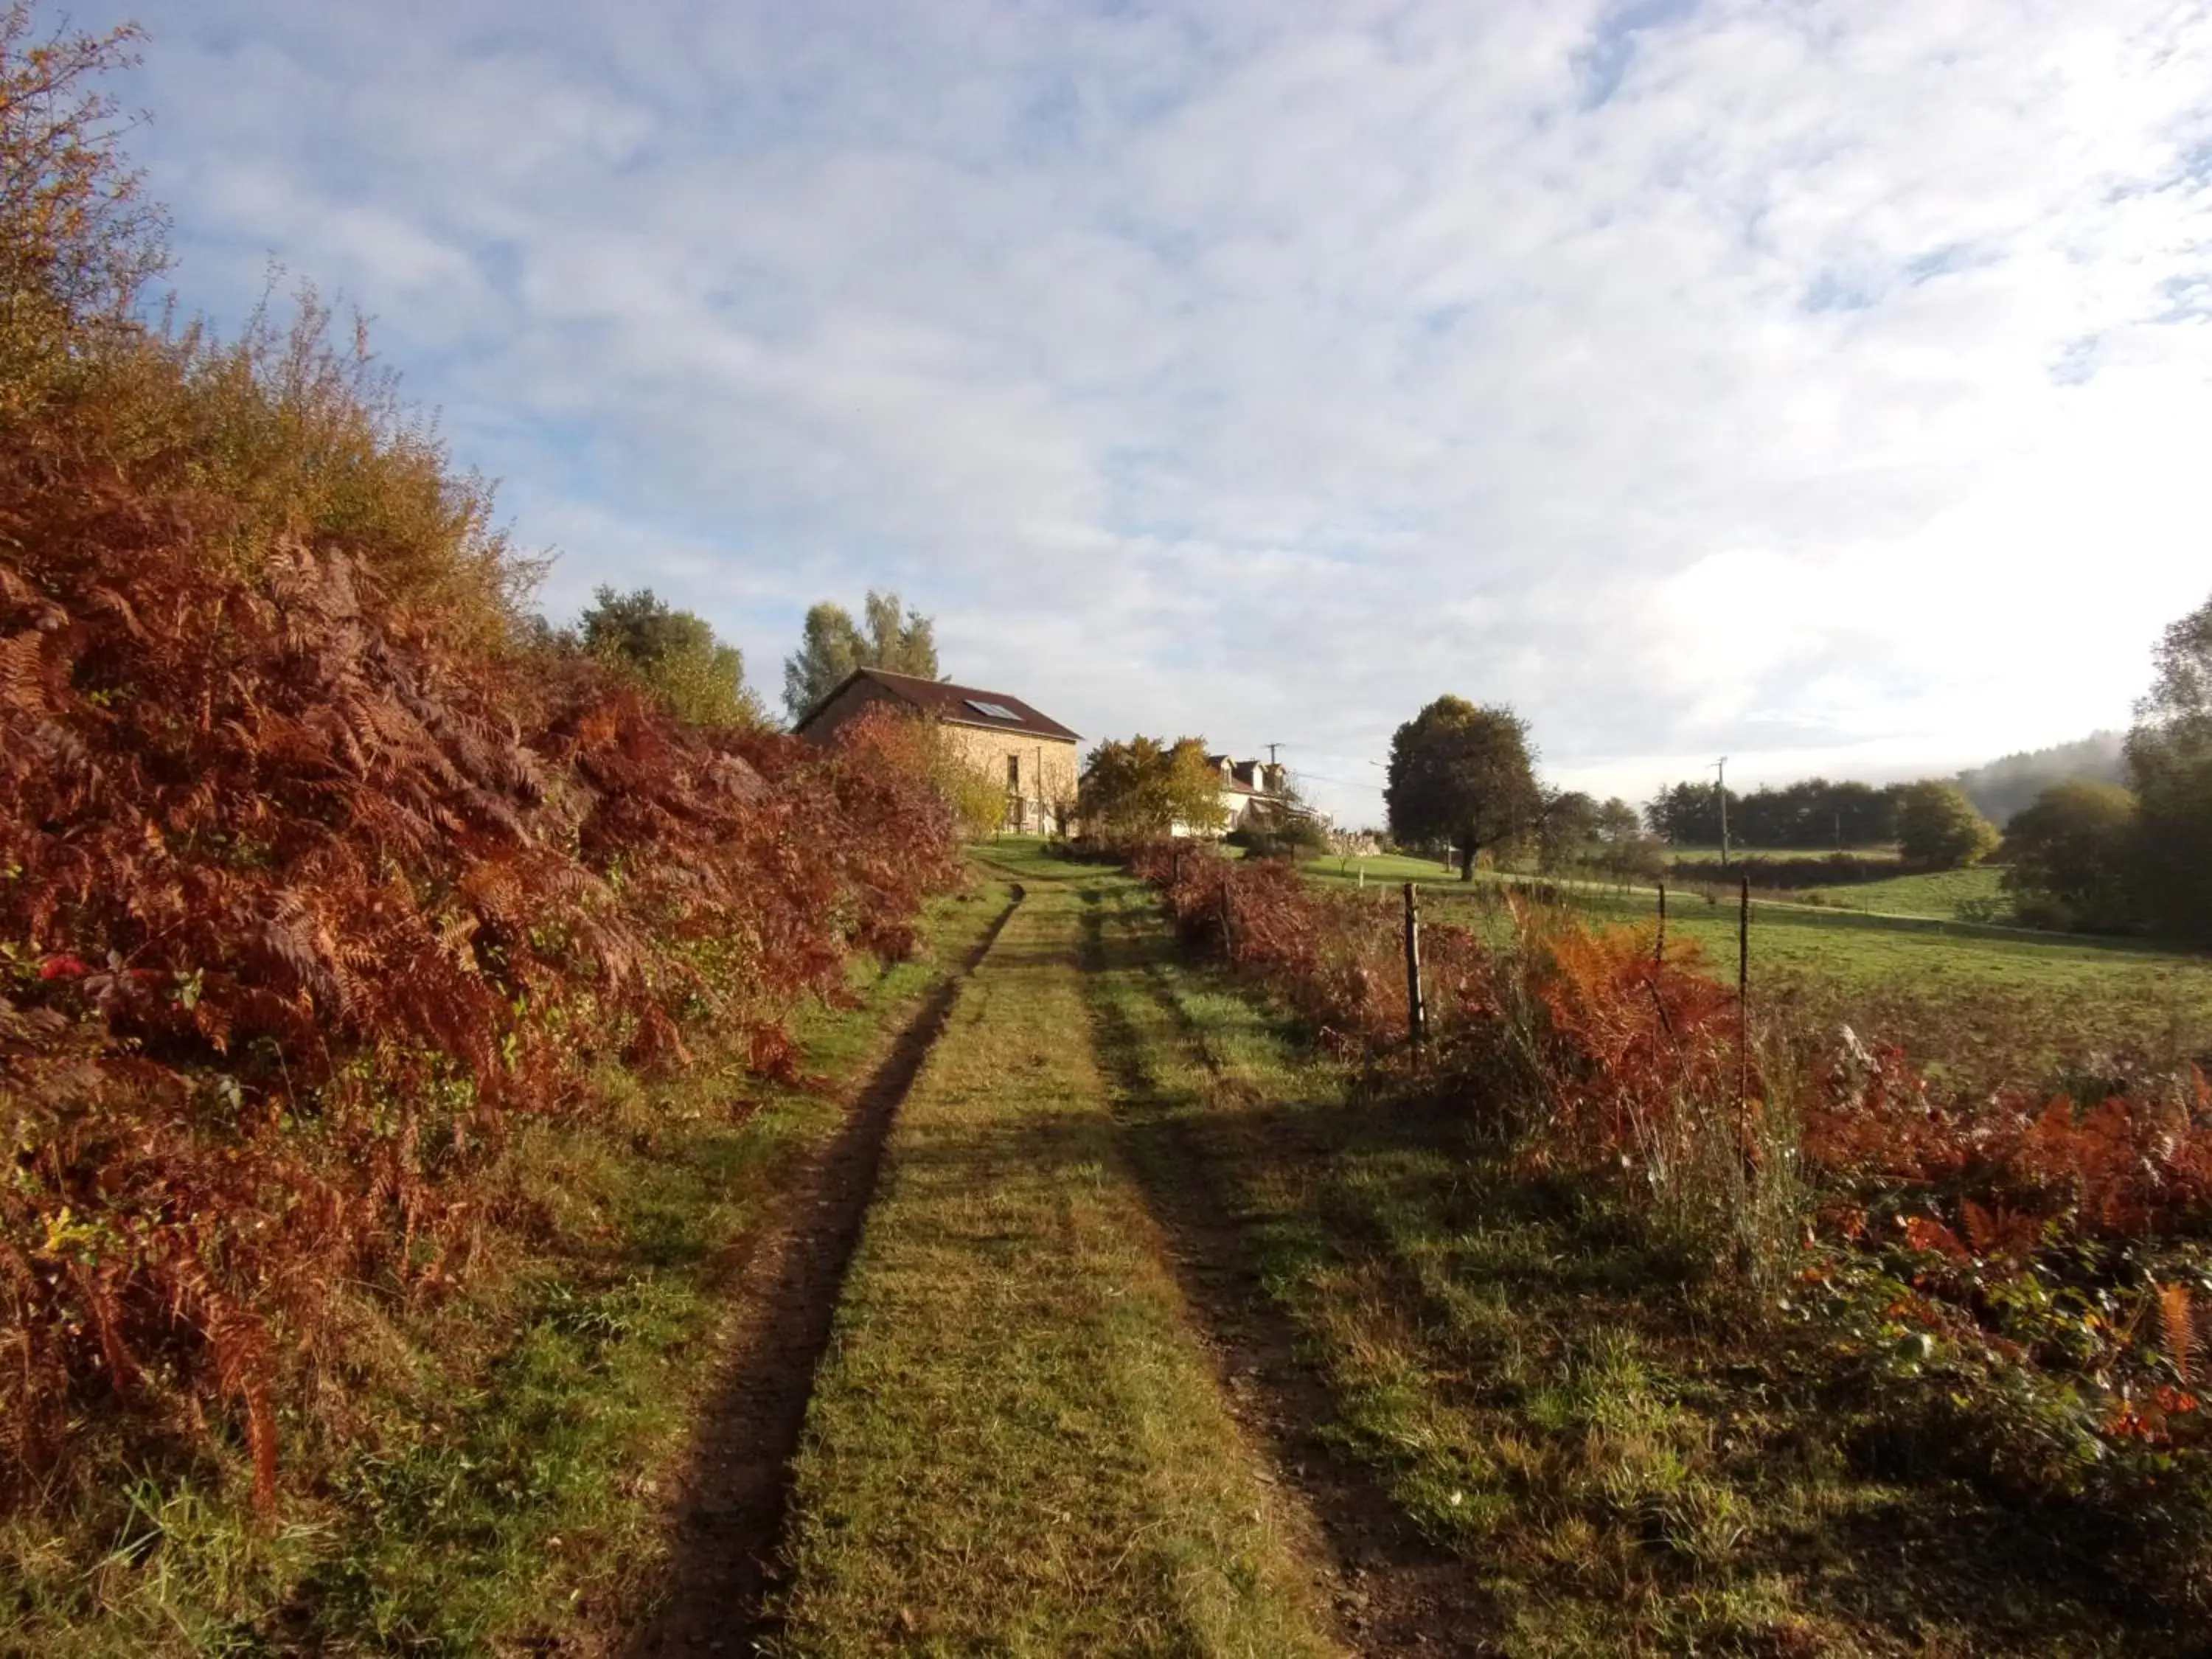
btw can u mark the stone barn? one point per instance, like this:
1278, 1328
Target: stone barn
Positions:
1001, 737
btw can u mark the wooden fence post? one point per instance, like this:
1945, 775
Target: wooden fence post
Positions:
1228, 924
1659, 948
1417, 1013
1743, 999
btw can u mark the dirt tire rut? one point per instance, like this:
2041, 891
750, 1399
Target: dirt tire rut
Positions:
729, 1515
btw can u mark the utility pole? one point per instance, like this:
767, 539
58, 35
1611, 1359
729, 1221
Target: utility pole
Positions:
1272, 748
1720, 766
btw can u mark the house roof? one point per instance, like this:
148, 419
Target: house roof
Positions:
1244, 777
956, 705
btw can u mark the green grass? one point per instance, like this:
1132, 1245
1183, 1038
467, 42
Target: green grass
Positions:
1015, 1445
1952, 895
1628, 1457
1384, 868
1938, 895
493, 1478
1976, 894
1688, 858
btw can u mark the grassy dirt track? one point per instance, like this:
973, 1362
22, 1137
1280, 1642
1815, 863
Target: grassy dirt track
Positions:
1163, 1336
1018, 1444
1397, 1590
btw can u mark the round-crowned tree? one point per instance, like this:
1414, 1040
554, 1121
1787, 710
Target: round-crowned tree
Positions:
1461, 775
1939, 829
2072, 855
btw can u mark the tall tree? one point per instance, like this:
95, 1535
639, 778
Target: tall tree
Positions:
2011, 783
1938, 829
79, 239
1618, 823
1143, 787
1812, 812
1567, 831
673, 654
1689, 814
2071, 856
2170, 762
831, 645
639, 629
1623, 851
1461, 775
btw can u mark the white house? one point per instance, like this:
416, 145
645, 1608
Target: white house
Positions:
1246, 787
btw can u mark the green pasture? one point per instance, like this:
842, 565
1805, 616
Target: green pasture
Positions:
2001, 1003
1892, 953
1948, 895
1859, 945
1943, 894
1687, 858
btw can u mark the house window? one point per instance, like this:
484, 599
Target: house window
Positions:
1014, 773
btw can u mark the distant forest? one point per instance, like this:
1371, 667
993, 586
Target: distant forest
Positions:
1817, 813
2010, 785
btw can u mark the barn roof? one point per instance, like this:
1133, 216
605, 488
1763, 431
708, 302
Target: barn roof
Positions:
956, 705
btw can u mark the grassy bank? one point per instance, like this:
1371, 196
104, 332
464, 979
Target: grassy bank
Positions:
1016, 1444
1630, 1456
500, 1481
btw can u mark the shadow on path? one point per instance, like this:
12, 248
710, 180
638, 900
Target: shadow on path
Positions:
729, 1515
1396, 1593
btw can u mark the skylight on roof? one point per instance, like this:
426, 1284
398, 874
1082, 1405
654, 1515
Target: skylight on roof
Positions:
997, 711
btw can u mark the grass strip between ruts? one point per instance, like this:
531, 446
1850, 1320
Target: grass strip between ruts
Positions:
1016, 1443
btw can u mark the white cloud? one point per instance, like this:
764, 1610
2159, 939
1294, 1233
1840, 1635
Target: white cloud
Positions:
1819, 383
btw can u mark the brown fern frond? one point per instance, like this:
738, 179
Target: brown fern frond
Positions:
2177, 1325
261, 1440
105, 599
1926, 1233
1981, 1228
22, 671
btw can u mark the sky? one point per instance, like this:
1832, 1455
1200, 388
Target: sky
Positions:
1823, 385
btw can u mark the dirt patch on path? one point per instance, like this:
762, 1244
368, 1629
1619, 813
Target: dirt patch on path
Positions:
729, 1513
1395, 1592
